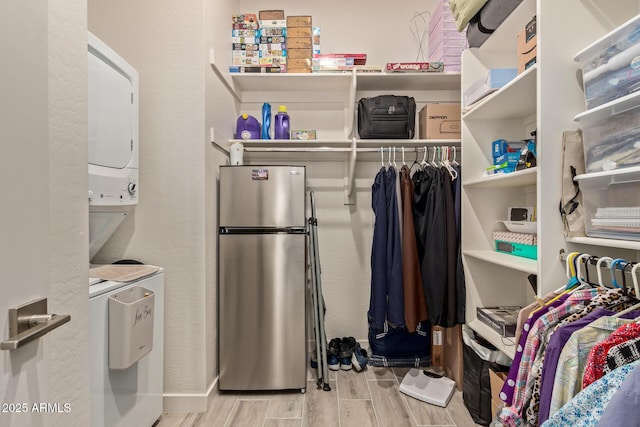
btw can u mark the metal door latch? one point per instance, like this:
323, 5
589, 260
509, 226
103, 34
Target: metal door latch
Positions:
30, 321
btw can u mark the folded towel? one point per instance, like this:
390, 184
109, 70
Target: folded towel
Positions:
122, 272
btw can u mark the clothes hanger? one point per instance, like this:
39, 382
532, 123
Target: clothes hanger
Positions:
424, 157
395, 165
571, 274
579, 262
455, 163
635, 289
599, 270
382, 156
612, 269
452, 172
390, 157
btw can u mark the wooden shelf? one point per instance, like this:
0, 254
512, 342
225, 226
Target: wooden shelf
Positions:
514, 179
504, 344
505, 260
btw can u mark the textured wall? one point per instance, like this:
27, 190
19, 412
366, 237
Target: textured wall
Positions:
68, 220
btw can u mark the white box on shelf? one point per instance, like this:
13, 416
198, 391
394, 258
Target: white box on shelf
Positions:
494, 79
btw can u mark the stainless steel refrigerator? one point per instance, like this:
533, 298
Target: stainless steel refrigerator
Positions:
262, 278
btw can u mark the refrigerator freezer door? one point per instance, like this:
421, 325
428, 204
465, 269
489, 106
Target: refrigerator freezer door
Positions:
262, 196
262, 312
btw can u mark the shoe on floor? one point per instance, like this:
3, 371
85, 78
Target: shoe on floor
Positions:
333, 362
334, 346
347, 345
345, 363
359, 358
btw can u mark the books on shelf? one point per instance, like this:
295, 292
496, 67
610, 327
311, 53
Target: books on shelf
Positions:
502, 319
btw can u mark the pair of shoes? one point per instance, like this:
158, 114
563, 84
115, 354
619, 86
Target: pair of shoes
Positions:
347, 346
359, 358
333, 349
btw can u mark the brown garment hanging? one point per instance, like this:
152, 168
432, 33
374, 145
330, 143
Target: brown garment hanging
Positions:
415, 307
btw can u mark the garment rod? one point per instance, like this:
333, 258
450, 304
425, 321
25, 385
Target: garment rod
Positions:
335, 149
593, 260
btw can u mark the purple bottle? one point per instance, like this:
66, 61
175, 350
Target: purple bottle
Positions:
281, 126
247, 127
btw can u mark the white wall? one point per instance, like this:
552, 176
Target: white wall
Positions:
165, 43
68, 210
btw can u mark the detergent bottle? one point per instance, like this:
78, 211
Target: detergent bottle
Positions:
247, 127
281, 126
266, 120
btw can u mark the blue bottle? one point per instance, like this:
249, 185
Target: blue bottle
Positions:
281, 126
266, 120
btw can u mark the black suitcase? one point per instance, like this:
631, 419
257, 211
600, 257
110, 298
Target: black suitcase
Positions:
386, 117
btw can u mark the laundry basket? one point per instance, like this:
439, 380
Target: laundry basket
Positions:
130, 326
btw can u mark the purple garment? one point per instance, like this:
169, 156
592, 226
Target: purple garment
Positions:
622, 409
506, 393
552, 354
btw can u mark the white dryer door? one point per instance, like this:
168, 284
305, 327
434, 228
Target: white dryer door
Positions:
110, 115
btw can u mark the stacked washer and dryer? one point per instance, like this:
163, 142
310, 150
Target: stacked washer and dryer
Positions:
127, 392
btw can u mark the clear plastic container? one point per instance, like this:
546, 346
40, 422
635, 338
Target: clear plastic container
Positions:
611, 135
612, 203
611, 65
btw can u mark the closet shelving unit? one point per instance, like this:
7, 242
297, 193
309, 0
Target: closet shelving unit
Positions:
327, 102
545, 98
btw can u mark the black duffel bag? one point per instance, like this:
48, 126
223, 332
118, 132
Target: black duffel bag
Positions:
386, 117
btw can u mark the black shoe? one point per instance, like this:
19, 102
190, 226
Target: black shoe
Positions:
347, 346
334, 346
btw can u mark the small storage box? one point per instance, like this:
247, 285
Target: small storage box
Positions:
611, 135
611, 65
612, 203
130, 326
493, 80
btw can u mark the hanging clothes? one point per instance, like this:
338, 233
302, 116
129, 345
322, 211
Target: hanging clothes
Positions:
386, 303
622, 409
395, 289
622, 354
588, 406
377, 314
513, 415
415, 306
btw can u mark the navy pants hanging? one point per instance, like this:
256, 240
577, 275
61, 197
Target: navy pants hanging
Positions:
378, 300
395, 289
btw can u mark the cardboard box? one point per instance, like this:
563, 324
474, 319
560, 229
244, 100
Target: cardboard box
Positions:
437, 345
298, 21
299, 32
439, 121
271, 14
298, 42
496, 379
299, 63
453, 363
299, 53
527, 46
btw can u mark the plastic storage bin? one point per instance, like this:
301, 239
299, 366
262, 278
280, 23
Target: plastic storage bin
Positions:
130, 326
611, 65
612, 203
611, 135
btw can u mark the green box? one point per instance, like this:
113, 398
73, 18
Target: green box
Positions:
517, 249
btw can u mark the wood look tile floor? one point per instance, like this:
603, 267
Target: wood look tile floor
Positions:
368, 398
